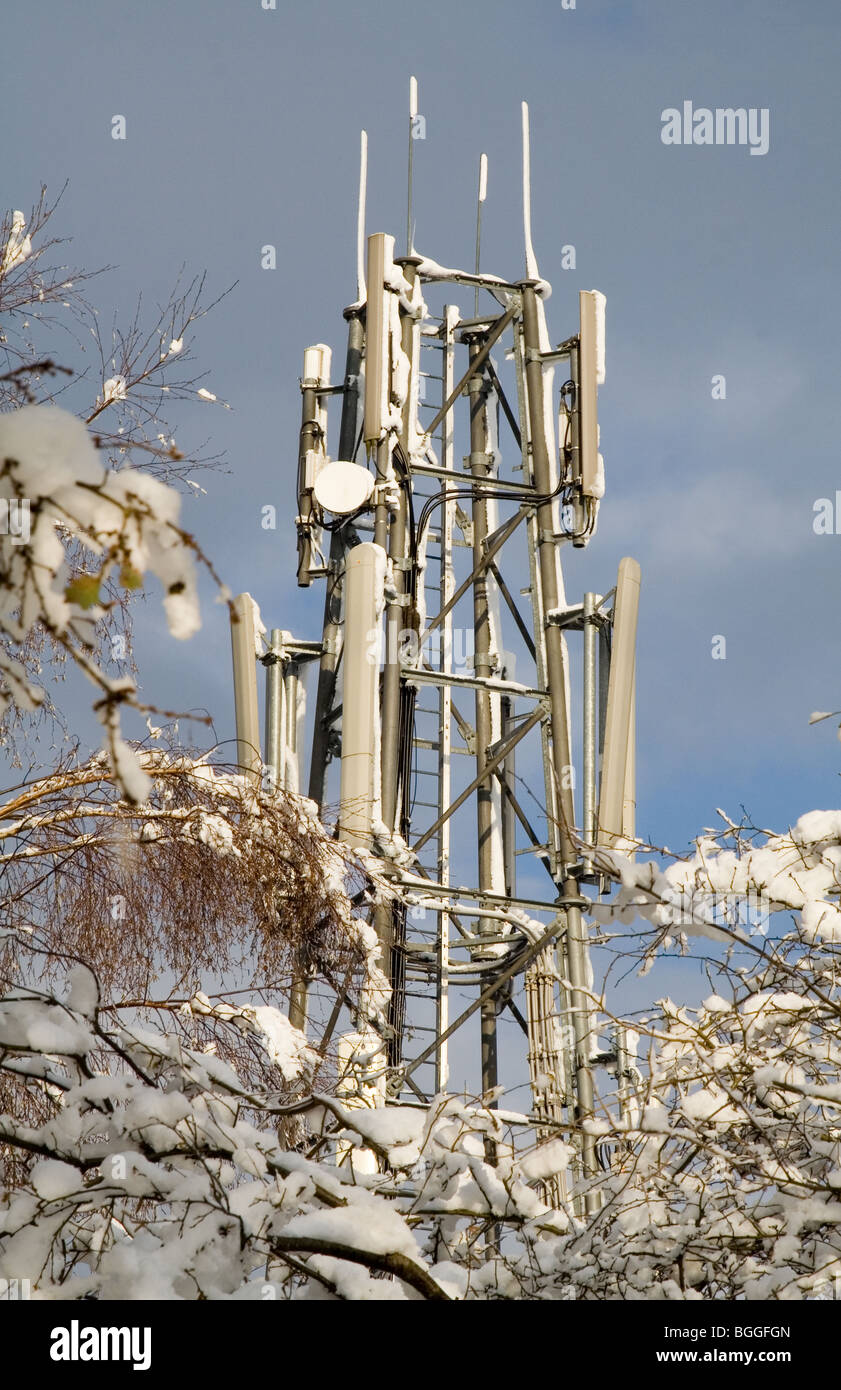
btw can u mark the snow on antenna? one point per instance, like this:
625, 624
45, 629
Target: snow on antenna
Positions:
413, 111
531, 259
360, 218
483, 193
588, 377
616, 792
600, 331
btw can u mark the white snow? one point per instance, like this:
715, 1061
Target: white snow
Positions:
51, 460
601, 303
18, 247
531, 260
84, 991
816, 827
212, 830
114, 389
430, 269
285, 1044
53, 1179
361, 291
597, 486
396, 1128
260, 633
379, 1229
546, 1160
51, 445
136, 785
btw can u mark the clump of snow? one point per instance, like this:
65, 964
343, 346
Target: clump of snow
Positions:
260, 643
285, 1044
50, 445
379, 1229
395, 1129
127, 519
817, 827
546, 1160
128, 772
391, 845
212, 830
711, 1105
84, 991
597, 485
114, 389
601, 304
53, 1179
821, 921
18, 247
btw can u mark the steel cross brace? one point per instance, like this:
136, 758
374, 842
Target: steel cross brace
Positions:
477, 363
522, 960
500, 755
499, 538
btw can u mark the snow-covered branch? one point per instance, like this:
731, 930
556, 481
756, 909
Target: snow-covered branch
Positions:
59, 494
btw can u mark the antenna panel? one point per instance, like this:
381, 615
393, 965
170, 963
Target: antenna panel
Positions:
613, 817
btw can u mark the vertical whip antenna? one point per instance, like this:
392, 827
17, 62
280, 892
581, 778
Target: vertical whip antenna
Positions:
531, 259
483, 193
413, 111
360, 217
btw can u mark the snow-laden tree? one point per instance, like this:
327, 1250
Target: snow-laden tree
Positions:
210, 872
155, 868
212, 889
82, 526
158, 1173
126, 521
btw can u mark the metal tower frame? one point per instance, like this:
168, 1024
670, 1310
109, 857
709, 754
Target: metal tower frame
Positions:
427, 742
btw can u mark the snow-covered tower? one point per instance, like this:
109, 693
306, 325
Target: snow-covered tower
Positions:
467, 461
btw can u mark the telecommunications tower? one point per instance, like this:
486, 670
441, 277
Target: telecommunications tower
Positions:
466, 465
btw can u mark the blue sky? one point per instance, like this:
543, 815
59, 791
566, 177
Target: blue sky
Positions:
242, 130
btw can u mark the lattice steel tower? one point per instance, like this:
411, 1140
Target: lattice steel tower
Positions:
435, 683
